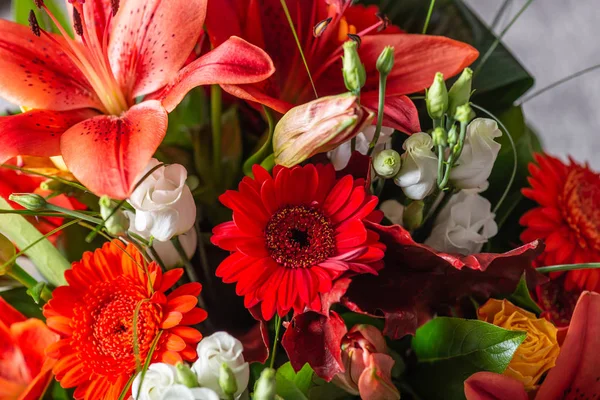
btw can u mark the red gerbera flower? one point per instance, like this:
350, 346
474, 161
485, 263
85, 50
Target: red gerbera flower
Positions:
293, 234
568, 217
95, 313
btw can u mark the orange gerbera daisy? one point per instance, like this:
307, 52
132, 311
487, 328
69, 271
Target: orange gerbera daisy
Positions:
568, 217
94, 315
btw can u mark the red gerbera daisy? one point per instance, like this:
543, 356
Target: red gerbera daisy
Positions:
568, 217
293, 234
94, 316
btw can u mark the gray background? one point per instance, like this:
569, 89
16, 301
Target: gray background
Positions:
552, 39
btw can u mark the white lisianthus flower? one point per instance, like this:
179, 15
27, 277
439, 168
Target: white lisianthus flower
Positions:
215, 350
393, 210
463, 225
158, 378
163, 203
474, 166
166, 250
340, 156
182, 392
418, 173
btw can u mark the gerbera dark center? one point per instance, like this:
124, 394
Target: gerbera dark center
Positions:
300, 237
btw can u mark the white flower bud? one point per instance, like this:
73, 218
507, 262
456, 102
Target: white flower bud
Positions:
479, 153
340, 156
463, 225
214, 351
164, 204
418, 173
387, 163
393, 210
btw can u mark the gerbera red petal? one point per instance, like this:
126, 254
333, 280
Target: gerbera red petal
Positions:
568, 217
94, 317
313, 233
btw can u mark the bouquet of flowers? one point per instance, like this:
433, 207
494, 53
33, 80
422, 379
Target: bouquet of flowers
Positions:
284, 199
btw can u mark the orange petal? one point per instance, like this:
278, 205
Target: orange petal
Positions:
171, 319
182, 304
492, 386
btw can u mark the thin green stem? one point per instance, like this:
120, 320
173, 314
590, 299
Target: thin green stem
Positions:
496, 42
275, 340
500, 13
567, 267
559, 82
426, 25
454, 155
42, 214
189, 268
440, 150
515, 156
291, 22
156, 257
74, 214
380, 109
56, 178
23, 277
216, 108
267, 147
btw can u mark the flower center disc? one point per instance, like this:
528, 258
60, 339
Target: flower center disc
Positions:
299, 237
581, 198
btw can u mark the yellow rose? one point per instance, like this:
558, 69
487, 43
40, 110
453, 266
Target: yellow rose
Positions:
538, 352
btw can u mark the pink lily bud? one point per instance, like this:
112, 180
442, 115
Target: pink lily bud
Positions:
368, 367
317, 127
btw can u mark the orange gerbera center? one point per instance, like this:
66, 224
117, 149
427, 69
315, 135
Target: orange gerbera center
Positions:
299, 237
103, 326
581, 206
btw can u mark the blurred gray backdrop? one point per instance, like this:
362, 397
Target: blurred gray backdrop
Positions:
552, 39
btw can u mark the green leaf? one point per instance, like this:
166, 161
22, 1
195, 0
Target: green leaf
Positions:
450, 350
351, 319
521, 298
36, 292
44, 255
22, 302
292, 385
191, 114
21, 8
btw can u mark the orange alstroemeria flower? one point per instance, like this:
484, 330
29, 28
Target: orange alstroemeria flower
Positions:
322, 27
25, 372
83, 93
575, 375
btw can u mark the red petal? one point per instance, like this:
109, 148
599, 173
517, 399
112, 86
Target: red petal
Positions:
170, 278
576, 368
182, 304
37, 133
234, 62
192, 288
151, 40
8, 314
399, 112
38, 74
194, 317
171, 319
256, 94
107, 153
492, 386
188, 334
418, 59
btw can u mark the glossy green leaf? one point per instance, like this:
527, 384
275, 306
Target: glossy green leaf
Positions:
21, 8
293, 385
522, 298
450, 350
44, 255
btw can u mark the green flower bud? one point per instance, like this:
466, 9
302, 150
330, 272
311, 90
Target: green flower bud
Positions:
30, 201
387, 163
52, 185
460, 92
227, 380
385, 62
353, 69
440, 138
463, 113
265, 386
186, 376
452, 136
437, 97
117, 223
413, 215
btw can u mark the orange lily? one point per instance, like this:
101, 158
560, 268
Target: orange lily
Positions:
25, 372
575, 374
83, 92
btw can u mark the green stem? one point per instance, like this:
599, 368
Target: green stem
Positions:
56, 178
156, 257
74, 214
454, 155
431, 5
437, 123
380, 109
21, 276
567, 267
41, 214
276, 339
216, 108
267, 147
189, 268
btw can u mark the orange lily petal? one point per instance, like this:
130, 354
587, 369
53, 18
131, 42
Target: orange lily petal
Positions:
234, 62
107, 153
399, 112
492, 386
151, 40
38, 73
38, 132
